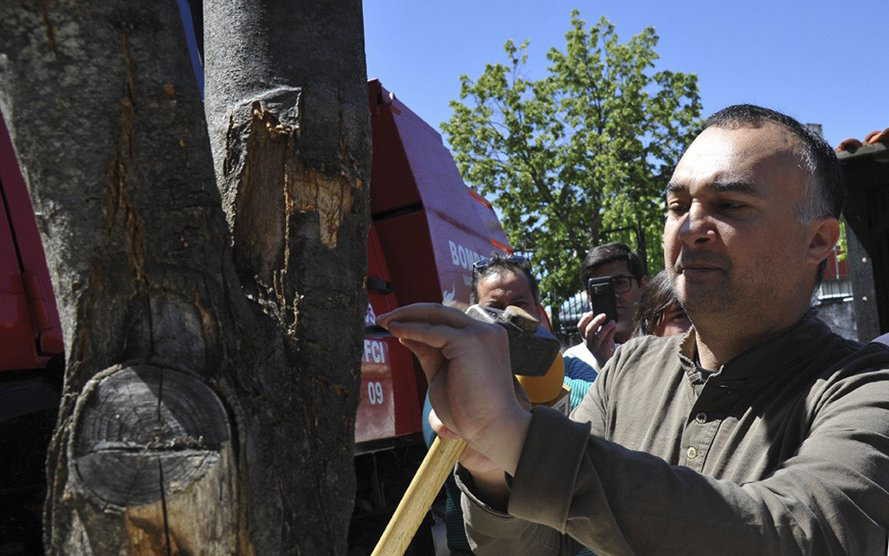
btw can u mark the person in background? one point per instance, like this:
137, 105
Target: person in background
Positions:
659, 312
498, 281
599, 339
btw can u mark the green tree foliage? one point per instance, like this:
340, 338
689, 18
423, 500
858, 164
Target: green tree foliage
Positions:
586, 149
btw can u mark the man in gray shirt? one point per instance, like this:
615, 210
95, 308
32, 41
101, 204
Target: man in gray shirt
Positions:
758, 432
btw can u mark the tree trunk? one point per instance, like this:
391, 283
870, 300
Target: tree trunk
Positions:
286, 104
211, 370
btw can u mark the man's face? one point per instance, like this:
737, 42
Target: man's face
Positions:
626, 301
734, 244
504, 288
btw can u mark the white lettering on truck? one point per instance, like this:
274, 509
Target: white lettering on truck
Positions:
374, 352
462, 256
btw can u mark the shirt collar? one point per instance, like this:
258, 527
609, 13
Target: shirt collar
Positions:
763, 362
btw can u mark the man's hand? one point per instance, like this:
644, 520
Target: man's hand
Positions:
490, 484
470, 458
598, 336
466, 363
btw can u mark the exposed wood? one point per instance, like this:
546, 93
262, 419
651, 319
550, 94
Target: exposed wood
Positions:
142, 432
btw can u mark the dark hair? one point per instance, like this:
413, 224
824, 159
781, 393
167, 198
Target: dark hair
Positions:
827, 196
498, 263
607, 253
657, 297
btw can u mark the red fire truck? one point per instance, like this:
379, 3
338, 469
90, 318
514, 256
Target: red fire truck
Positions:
30, 361
427, 229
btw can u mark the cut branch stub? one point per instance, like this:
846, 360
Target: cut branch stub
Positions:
150, 450
144, 432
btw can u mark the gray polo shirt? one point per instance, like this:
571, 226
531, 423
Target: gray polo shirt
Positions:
784, 450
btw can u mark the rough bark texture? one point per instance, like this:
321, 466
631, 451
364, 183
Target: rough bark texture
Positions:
211, 370
286, 104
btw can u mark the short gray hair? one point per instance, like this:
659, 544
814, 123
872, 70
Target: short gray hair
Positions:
825, 195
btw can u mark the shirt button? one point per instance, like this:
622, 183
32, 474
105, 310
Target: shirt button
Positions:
691, 453
701, 417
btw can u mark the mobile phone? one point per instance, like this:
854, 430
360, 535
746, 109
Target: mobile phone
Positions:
600, 292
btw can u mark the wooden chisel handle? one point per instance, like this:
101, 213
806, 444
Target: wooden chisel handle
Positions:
418, 498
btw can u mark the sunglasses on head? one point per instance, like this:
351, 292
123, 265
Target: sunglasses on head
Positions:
484, 263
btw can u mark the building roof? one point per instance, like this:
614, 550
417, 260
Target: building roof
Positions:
875, 144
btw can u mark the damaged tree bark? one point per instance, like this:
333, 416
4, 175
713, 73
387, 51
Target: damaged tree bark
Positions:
212, 335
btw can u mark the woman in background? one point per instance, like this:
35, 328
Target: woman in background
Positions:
658, 312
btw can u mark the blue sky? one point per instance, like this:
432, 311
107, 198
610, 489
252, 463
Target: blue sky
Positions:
823, 63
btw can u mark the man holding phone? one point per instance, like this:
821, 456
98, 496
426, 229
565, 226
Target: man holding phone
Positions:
614, 265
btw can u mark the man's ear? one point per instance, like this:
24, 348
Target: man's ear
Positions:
643, 281
825, 234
